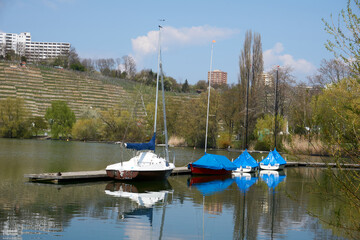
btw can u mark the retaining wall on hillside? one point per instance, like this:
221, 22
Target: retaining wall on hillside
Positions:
39, 87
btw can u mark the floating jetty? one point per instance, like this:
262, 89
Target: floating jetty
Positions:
323, 165
82, 176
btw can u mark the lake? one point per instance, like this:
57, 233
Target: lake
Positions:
285, 205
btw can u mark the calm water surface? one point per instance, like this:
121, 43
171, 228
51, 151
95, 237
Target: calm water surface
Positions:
262, 206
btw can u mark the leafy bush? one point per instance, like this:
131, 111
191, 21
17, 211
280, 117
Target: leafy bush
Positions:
224, 141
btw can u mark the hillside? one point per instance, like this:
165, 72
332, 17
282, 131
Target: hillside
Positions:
38, 86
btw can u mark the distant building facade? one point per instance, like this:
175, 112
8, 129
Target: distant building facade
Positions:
33, 51
218, 77
268, 81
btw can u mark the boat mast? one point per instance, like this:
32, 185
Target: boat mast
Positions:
157, 80
276, 104
208, 104
164, 112
247, 109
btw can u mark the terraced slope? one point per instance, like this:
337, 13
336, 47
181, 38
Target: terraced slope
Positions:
40, 86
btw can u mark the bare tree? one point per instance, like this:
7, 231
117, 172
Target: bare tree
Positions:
105, 65
88, 63
330, 71
251, 66
129, 66
285, 89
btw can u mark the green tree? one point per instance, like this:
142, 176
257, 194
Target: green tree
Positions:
10, 55
193, 114
77, 66
229, 108
13, 118
60, 118
346, 36
337, 113
264, 130
118, 125
37, 125
185, 87
201, 85
86, 129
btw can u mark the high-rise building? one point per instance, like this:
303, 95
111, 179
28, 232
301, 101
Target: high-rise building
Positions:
218, 77
33, 51
268, 81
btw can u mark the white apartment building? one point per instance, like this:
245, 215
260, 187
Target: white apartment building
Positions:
268, 81
33, 51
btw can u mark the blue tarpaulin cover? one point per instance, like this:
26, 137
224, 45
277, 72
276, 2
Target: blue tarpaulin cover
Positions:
278, 157
208, 188
244, 183
143, 146
244, 160
273, 158
216, 162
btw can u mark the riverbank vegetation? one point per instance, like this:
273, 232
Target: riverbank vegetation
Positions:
311, 116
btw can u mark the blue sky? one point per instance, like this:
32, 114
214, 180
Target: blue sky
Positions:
292, 31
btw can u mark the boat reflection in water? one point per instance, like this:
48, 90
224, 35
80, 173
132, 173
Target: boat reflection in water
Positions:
245, 180
272, 178
210, 184
144, 195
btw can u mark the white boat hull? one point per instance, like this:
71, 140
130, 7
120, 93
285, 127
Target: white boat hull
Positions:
275, 167
146, 165
248, 169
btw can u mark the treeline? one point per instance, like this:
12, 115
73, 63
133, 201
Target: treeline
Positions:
241, 115
122, 68
305, 112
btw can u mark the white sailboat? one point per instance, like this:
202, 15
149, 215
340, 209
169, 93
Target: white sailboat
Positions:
146, 165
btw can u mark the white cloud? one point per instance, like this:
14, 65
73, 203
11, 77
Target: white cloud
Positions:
172, 37
275, 56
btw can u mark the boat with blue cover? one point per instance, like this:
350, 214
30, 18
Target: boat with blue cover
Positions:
274, 161
212, 164
245, 163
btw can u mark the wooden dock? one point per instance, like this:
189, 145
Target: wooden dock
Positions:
101, 174
83, 176
323, 165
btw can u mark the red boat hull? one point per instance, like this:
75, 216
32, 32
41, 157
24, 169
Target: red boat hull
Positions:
207, 171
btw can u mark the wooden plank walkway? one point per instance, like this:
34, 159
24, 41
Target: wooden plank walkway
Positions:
83, 175
101, 174
67, 176
323, 165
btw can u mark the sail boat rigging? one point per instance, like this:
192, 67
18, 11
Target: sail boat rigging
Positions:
211, 164
146, 165
274, 161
